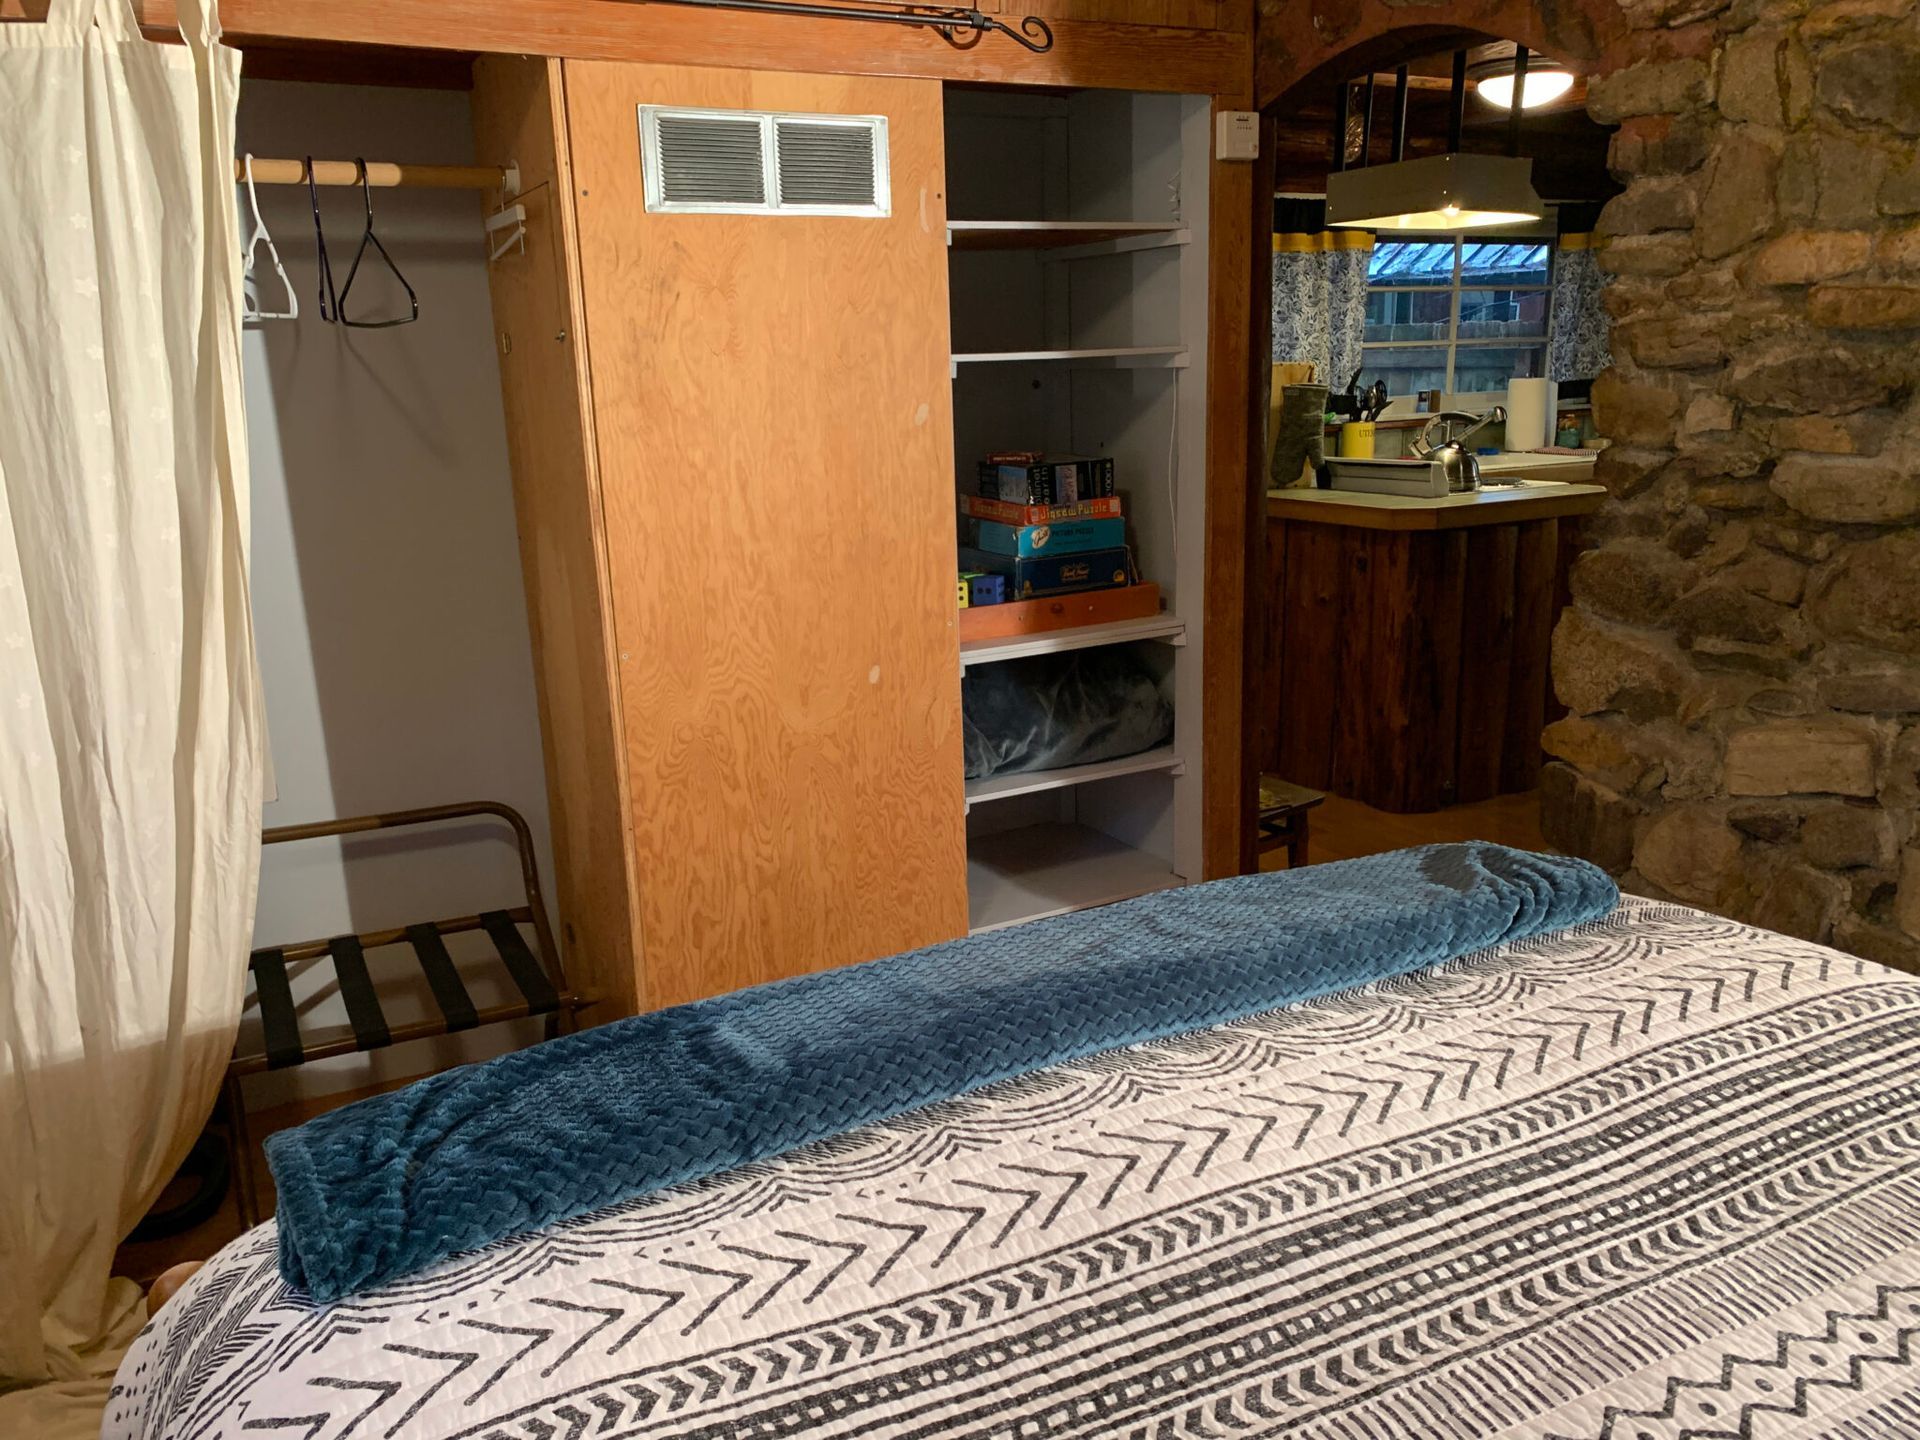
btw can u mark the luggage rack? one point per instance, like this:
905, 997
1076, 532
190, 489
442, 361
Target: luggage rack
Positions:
534, 969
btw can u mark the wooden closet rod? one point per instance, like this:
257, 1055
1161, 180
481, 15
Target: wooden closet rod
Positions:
380, 173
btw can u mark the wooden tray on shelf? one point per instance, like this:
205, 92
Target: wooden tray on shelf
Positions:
1059, 612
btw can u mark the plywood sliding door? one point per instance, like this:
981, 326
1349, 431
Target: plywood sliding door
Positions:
772, 421
519, 113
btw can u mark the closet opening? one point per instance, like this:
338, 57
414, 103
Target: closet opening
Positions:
1077, 234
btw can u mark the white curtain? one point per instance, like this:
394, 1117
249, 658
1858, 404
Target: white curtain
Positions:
129, 731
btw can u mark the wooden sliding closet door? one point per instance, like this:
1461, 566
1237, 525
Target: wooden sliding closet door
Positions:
772, 416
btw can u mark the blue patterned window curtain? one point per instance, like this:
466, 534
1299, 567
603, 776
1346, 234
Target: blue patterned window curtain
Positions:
1320, 301
1577, 347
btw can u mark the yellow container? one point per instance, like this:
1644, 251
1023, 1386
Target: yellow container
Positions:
1356, 440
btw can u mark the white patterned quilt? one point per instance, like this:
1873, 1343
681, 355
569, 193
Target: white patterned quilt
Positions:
1651, 1178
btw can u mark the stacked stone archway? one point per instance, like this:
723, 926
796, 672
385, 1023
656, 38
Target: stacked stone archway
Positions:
1741, 662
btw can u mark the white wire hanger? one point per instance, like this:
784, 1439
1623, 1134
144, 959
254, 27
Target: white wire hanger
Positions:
249, 303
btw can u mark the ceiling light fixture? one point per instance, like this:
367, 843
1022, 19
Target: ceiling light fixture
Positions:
1492, 75
1437, 192
1543, 88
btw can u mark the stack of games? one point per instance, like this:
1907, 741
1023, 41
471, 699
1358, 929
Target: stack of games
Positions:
1044, 525
1044, 547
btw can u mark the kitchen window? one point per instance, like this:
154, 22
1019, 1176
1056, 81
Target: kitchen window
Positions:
1457, 314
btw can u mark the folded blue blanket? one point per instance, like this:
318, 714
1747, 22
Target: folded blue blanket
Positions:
390, 1185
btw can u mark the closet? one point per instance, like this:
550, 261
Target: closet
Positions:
1078, 281
737, 442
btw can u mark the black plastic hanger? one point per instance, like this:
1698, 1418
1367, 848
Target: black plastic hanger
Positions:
366, 239
329, 302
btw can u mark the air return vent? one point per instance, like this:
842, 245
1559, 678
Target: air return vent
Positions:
761, 163
824, 164
705, 160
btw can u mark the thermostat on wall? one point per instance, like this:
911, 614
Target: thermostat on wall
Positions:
1236, 135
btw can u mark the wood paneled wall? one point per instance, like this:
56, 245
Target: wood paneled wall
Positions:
1408, 669
774, 436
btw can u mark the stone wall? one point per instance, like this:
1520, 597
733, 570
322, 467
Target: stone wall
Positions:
1741, 662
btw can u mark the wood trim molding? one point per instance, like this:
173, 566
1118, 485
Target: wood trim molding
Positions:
539, 313
1232, 518
1489, 508
1096, 53
1256, 629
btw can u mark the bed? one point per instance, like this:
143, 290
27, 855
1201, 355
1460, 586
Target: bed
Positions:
1653, 1176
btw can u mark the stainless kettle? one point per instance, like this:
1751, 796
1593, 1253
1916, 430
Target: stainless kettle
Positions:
1444, 438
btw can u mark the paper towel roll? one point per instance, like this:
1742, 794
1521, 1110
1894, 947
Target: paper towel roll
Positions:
1529, 413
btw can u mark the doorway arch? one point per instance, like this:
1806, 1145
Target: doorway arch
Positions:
1304, 43
1741, 658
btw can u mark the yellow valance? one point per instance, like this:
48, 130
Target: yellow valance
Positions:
1322, 242
1574, 242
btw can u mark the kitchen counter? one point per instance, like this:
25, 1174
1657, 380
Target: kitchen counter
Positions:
1502, 505
1407, 638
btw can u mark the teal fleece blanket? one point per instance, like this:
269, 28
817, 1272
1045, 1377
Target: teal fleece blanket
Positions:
388, 1186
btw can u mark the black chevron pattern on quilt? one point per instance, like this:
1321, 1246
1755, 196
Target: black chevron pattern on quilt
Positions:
1588, 1186
1840, 1357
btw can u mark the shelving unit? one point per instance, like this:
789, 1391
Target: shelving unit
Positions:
1121, 357
1033, 782
1079, 325
1052, 869
1168, 629
1062, 234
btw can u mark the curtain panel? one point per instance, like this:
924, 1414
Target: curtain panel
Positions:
1320, 301
1577, 342
129, 706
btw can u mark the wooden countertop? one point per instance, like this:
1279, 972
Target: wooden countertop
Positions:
1360, 510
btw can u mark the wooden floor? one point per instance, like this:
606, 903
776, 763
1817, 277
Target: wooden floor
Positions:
1343, 829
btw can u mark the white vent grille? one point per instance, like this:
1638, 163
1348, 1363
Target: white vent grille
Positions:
762, 163
824, 164
708, 161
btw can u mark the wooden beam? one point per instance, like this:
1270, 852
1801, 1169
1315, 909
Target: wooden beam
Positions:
1100, 54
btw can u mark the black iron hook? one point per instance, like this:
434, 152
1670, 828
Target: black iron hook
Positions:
961, 27
950, 25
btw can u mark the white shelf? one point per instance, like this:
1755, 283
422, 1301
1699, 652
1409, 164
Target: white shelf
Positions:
1030, 782
1071, 238
1041, 870
1168, 628
1130, 357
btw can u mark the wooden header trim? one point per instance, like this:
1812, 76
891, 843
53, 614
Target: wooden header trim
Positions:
1094, 53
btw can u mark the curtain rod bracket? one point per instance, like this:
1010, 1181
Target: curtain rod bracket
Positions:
960, 26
